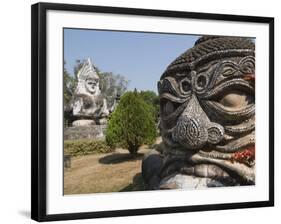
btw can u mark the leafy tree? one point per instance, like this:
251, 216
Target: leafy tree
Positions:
68, 86
151, 98
112, 85
131, 124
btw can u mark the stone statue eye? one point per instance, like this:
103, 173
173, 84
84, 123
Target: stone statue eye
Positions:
168, 108
228, 70
248, 68
201, 81
91, 83
185, 86
236, 99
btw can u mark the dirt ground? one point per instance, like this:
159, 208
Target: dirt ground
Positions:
110, 172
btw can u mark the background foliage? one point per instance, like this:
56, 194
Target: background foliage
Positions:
132, 123
152, 99
69, 84
85, 147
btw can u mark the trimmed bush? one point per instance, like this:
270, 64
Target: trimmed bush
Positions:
152, 99
85, 147
131, 124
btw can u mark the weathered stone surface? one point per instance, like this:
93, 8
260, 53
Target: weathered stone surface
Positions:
180, 181
207, 111
151, 169
96, 132
88, 100
83, 123
103, 121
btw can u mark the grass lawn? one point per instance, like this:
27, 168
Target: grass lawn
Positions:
108, 172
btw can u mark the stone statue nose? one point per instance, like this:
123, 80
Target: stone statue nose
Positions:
194, 129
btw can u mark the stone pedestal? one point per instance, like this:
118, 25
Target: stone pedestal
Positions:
79, 123
96, 132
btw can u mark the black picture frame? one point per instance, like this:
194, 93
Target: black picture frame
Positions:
39, 108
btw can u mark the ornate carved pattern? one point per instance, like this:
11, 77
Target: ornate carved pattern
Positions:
198, 127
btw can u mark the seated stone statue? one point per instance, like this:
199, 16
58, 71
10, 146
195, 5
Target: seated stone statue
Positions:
89, 106
207, 110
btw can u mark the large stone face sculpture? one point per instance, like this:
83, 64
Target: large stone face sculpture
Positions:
207, 102
89, 106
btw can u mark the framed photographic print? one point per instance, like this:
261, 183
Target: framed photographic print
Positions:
139, 111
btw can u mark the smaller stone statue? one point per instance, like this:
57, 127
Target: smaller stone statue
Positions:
89, 106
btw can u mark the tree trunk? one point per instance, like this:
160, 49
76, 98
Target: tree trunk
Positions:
133, 149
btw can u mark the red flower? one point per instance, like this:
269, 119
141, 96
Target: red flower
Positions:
250, 77
246, 156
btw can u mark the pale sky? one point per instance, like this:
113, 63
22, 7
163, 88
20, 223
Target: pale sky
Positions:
140, 57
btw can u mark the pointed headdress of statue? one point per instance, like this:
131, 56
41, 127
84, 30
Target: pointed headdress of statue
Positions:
88, 80
87, 71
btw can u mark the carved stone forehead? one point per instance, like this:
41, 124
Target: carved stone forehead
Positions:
209, 49
87, 72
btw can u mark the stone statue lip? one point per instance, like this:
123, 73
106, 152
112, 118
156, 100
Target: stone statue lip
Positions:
243, 170
222, 150
230, 163
233, 156
211, 152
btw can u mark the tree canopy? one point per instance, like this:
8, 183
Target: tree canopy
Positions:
152, 99
131, 124
69, 83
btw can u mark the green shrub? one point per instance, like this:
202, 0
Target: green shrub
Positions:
152, 99
131, 124
85, 147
